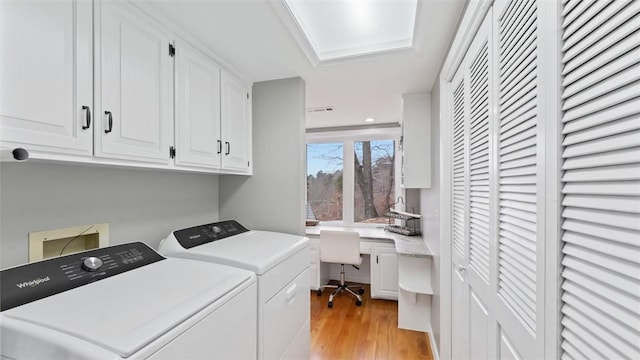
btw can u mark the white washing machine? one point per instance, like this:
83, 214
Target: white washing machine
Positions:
281, 262
127, 301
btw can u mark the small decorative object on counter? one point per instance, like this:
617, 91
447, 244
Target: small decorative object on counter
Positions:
411, 227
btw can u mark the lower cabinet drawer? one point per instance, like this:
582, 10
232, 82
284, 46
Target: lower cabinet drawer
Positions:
285, 314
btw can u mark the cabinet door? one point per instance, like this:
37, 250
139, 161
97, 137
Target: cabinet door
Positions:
314, 267
46, 76
384, 273
134, 78
416, 140
236, 124
198, 141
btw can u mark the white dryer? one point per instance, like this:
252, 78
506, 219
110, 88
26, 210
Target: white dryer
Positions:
281, 262
127, 301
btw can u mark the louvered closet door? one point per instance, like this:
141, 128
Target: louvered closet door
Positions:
601, 180
459, 233
519, 303
471, 199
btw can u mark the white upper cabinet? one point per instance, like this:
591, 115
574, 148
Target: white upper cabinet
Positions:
416, 140
198, 141
133, 85
96, 81
236, 124
46, 92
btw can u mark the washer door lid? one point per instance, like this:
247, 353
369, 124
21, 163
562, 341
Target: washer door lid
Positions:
257, 251
128, 311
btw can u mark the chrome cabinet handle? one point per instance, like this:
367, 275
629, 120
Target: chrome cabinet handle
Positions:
219, 146
228, 148
110, 128
88, 118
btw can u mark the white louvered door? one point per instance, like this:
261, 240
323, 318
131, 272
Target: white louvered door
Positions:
497, 191
520, 288
472, 96
601, 180
459, 242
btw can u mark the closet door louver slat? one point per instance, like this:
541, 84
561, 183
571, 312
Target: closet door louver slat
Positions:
601, 180
479, 164
459, 195
517, 178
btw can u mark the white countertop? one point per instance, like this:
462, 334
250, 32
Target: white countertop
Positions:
405, 245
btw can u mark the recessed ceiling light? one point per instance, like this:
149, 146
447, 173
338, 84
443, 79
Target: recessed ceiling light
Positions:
369, 119
320, 109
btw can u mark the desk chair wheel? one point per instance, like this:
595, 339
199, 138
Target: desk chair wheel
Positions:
361, 291
358, 302
319, 292
330, 304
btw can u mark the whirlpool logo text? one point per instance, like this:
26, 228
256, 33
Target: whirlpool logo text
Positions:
32, 283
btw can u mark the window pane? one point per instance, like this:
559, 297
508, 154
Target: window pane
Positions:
374, 180
324, 180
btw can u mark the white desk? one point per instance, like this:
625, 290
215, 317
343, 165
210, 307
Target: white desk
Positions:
409, 283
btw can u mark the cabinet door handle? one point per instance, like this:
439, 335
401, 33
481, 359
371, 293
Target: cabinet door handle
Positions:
88, 118
219, 146
228, 148
110, 127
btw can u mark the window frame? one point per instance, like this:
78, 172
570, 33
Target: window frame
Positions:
348, 138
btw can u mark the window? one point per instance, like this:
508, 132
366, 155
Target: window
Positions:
324, 180
351, 182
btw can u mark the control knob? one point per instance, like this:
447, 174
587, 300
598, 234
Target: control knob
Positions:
216, 229
92, 264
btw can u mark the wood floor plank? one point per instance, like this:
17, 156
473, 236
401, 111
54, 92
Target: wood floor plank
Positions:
370, 331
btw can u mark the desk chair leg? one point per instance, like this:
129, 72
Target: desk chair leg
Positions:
342, 287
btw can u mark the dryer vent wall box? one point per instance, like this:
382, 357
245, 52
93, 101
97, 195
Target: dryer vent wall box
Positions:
53, 243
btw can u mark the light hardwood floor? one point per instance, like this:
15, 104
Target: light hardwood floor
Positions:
370, 331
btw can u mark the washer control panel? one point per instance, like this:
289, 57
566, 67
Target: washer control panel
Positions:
23, 284
203, 234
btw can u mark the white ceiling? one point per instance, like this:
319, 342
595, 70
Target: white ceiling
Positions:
249, 35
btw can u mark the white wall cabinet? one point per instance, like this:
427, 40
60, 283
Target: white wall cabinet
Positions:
198, 141
134, 73
416, 140
236, 123
46, 96
384, 273
213, 118
94, 82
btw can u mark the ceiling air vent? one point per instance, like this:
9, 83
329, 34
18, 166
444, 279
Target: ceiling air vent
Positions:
320, 109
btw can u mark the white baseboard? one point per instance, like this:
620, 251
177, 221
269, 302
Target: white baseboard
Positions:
432, 344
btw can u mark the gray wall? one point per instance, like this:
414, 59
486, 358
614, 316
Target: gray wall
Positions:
429, 207
139, 205
273, 198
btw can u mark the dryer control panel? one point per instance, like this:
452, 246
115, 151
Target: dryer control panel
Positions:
202, 234
23, 284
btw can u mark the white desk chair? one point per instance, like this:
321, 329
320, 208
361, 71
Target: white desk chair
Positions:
341, 247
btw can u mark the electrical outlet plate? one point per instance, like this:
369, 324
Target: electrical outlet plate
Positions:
53, 243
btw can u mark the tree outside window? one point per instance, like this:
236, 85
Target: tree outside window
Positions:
373, 180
